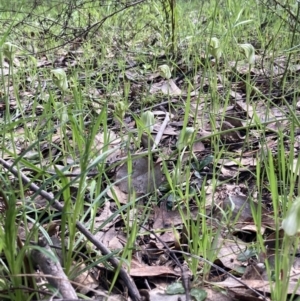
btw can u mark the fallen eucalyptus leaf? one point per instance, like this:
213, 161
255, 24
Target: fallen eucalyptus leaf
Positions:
145, 177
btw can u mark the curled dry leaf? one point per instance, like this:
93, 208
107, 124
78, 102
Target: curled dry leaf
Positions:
233, 135
167, 87
104, 216
110, 139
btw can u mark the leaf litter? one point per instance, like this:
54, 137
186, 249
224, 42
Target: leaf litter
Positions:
144, 176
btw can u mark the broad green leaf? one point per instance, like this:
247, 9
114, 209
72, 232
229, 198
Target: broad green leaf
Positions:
175, 288
206, 161
198, 293
246, 255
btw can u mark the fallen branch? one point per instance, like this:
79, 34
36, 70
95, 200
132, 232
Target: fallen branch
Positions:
132, 289
48, 266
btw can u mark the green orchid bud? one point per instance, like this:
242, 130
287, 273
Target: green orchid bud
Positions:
9, 50
185, 137
120, 109
148, 121
59, 78
249, 52
291, 224
165, 71
214, 48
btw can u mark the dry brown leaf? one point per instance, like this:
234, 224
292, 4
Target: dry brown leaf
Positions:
198, 146
116, 194
142, 270
145, 177
162, 218
167, 87
246, 107
216, 295
229, 172
104, 216
244, 161
260, 285
110, 239
112, 141
255, 270
228, 252
85, 280
233, 135
168, 237
169, 131
252, 228
236, 95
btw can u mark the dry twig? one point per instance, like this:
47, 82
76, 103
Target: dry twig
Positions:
48, 266
132, 289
